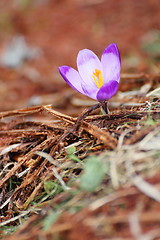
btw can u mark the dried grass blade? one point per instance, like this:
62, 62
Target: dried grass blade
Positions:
147, 188
62, 116
24, 111
105, 137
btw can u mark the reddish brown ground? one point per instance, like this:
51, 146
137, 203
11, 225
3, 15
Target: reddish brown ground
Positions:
60, 29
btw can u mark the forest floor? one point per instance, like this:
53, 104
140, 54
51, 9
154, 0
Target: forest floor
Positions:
99, 180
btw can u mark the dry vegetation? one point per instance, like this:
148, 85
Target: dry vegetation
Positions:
41, 173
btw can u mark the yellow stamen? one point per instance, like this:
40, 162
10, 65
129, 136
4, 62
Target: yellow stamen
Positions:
98, 78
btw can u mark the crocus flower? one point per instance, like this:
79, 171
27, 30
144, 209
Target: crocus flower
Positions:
96, 79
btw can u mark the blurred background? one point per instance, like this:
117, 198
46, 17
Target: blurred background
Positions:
37, 36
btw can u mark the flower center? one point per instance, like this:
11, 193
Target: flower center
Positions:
98, 78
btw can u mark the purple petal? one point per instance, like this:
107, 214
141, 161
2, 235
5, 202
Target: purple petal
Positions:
87, 62
111, 63
107, 90
72, 77
90, 91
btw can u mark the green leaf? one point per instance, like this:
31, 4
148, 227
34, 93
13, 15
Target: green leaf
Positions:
49, 186
50, 220
94, 172
71, 155
71, 150
74, 158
